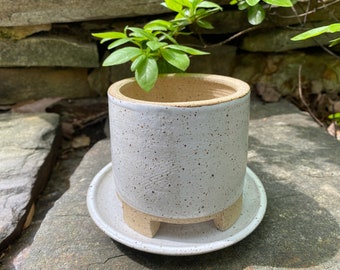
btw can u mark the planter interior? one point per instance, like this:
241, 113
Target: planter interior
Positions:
179, 153
182, 90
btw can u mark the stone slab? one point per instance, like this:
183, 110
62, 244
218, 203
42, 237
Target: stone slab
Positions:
20, 32
278, 40
233, 20
28, 147
28, 12
21, 84
48, 51
298, 163
320, 72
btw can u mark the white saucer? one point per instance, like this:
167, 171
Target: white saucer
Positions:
171, 239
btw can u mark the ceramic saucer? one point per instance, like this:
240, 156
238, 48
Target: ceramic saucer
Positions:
173, 239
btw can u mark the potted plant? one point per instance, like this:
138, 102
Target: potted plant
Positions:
178, 141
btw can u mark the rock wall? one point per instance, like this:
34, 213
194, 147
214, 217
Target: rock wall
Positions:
46, 48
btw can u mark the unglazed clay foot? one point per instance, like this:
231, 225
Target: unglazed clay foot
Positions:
228, 217
148, 225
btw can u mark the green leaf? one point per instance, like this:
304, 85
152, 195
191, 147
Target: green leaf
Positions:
187, 49
158, 25
122, 56
139, 32
256, 14
334, 42
118, 43
104, 40
165, 67
176, 58
279, 3
208, 4
138, 61
204, 24
173, 5
242, 5
147, 73
188, 3
334, 116
172, 39
109, 35
332, 28
252, 2
155, 45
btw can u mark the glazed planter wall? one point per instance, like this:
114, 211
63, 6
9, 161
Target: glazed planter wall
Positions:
179, 153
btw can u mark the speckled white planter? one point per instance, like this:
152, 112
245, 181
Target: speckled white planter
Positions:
179, 153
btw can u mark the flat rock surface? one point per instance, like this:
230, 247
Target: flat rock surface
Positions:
32, 12
297, 162
48, 51
27, 150
33, 82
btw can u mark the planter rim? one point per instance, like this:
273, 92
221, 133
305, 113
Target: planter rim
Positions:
239, 88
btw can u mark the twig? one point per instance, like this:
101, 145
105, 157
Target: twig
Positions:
235, 36
326, 49
238, 34
304, 102
308, 12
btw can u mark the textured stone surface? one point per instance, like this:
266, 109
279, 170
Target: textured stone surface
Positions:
298, 164
221, 61
28, 12
278, 40
19, 84
20, 32
320, 71
27, 150
48, 51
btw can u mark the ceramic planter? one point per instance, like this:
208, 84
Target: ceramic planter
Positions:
179, 153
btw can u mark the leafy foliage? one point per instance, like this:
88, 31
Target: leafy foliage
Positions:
154, 47
256, 8
331, 28
335, 117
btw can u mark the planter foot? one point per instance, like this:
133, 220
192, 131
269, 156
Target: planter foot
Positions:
228, 217
148, 225
140, 222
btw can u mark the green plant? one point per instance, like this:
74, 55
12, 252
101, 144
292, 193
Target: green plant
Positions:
331, 28
154, 49
335, 117
256, 8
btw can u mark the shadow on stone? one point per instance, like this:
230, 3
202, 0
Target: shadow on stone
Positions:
298, 230
295, 232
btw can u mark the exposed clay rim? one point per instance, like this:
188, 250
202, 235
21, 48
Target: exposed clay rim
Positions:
182, 90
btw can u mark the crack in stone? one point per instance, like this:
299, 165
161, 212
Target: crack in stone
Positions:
107, 260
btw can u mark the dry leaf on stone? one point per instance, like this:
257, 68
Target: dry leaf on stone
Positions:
81, 141
29, 217
32, 106
334, 130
